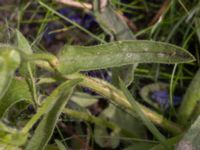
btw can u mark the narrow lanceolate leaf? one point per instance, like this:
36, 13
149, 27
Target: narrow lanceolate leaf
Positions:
18, 91
82, 58
52, 109
191, 140
26, 50
190, 100
9, 61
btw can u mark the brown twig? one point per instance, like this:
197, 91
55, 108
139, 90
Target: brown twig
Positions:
160, 12
130, 23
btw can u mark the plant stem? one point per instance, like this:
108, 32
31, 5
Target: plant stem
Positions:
99, 121
110, 92
107, 90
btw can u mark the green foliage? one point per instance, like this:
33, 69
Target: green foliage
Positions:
190, 101
17, 92
9, 61
38, 99
11, 137
146, 121
51, 109
79, 58
191, 139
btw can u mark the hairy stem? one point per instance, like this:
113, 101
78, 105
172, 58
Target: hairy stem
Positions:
107, 90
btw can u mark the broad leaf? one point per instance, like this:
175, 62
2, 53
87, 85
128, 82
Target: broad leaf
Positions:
105, 139
9, 61
18, 91
52, 108
82, 58
116, 115
11, 137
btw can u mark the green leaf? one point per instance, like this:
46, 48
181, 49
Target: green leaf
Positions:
100, 121
14, 139
4, 146
130, 123
52, 109
117, 28
84, 99
81, 58
172, 141
145, 120
60, 145
190, 100
51, 147
26, 50
140, 146
23, 44
9, 61
191, 140
116, 115
18, 91
105, 139
11, 136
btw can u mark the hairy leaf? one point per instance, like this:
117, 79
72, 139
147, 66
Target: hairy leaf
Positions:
52, 109
9, 61
81, 58
18, 91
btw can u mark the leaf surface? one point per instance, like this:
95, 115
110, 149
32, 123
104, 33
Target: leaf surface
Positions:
18, 91
9, 61
191, 140
52, 109
190, 100
83, 58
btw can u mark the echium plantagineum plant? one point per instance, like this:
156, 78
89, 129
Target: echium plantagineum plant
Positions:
66, 67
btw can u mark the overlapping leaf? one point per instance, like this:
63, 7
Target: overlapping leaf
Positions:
81, 58
9, 61
52, 108
17, 92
